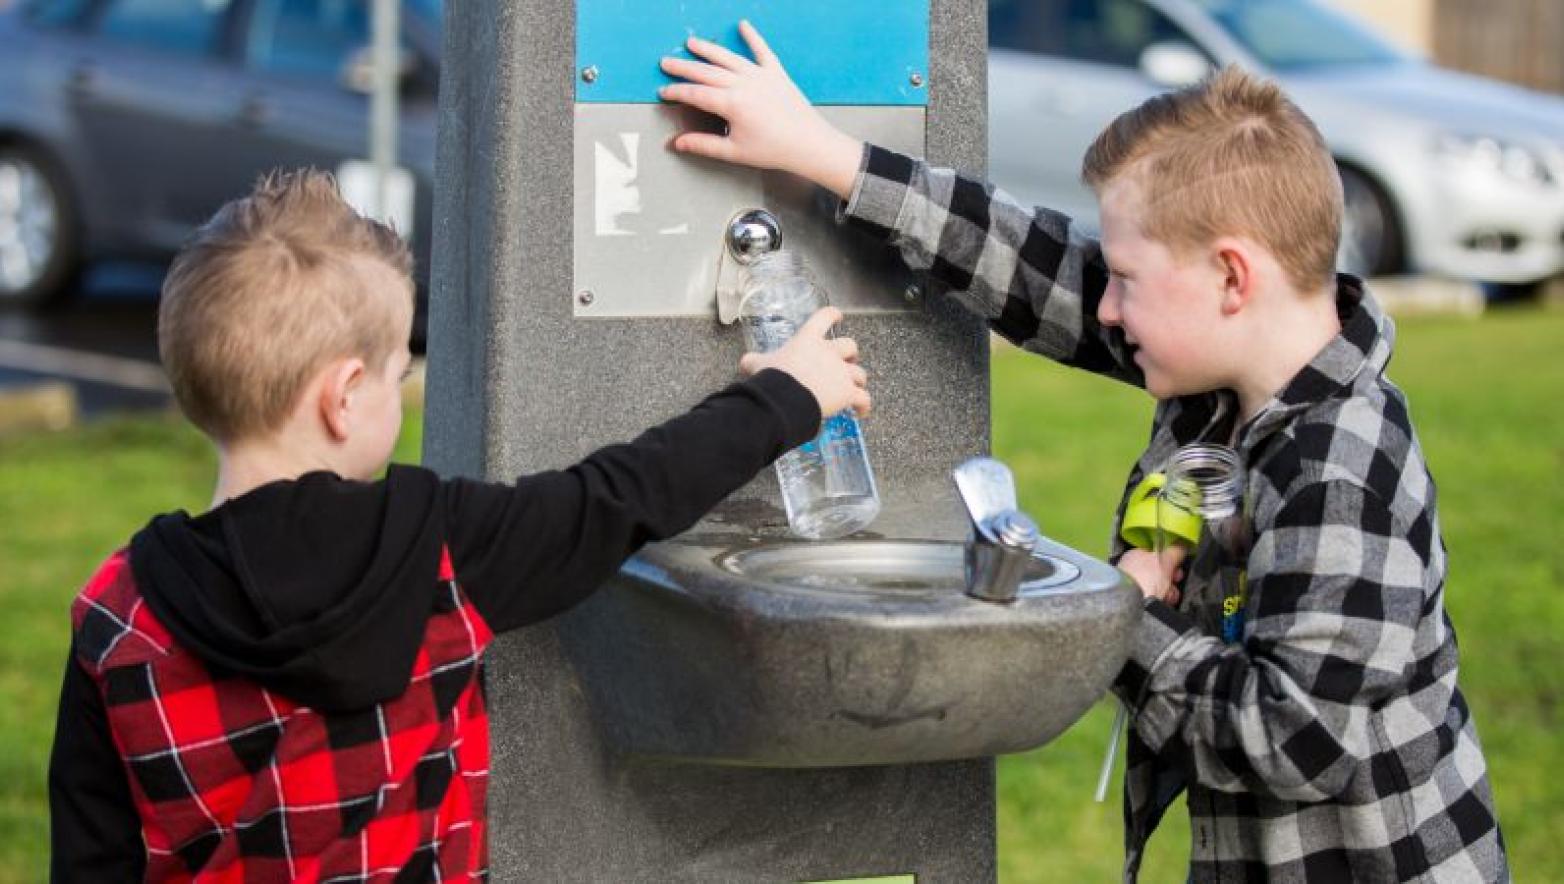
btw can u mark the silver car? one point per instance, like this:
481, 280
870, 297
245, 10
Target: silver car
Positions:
1443, 172
125, 123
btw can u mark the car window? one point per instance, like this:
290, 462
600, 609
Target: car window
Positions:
307, 38
55, 13
1104, 31
188, 27
1294, 34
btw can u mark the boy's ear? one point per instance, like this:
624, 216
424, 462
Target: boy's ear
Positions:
1235, 267
339, 384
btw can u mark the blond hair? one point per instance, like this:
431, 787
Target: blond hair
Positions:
270, 290
1229, 156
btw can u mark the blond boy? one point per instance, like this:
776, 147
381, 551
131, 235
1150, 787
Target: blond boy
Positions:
1330, 743
289, 686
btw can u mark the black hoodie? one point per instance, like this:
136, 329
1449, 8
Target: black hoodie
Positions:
319, 588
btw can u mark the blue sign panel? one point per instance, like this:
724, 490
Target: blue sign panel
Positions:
855, 52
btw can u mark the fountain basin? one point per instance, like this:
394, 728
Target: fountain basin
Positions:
794, 654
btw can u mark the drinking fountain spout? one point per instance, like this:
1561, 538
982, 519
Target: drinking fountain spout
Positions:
1002, 540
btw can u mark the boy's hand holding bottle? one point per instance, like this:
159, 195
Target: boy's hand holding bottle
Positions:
1151, 574
826, 367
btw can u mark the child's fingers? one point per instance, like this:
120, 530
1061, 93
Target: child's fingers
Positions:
860, 403
750, 363
706, 98
847, 348
705, 144
717, 54
696, 72
859, 377
758, 46
821, 322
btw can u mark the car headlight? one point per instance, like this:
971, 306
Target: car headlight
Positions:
1514, 161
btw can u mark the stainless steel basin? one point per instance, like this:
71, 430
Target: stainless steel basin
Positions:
738, 649
878, 566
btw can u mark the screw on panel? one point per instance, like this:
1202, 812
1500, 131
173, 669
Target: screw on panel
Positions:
912, 294
585, 298
916, 78
589, 73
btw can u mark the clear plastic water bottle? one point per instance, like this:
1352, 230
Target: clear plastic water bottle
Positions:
1203, 530
827, 484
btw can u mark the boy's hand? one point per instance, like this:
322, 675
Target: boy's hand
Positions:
1155, 579
827, 367
771, 125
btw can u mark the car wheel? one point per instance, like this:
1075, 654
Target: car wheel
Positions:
38, 242
1370, 234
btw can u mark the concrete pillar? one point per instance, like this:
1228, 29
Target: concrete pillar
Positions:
522, 376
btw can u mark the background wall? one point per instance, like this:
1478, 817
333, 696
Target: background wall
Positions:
1517, 40
1408, 22
1521, 41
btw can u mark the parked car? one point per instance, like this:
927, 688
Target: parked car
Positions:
126, 123
1443, 172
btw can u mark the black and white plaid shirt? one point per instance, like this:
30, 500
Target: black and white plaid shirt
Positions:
1331, 742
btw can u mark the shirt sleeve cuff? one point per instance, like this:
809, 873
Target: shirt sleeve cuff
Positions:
1156, 715
1160, 626
792, 402
879, 192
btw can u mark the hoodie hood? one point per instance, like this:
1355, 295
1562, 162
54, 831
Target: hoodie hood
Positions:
317, 588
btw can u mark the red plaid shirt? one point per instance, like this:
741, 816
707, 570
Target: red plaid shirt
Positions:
235, 783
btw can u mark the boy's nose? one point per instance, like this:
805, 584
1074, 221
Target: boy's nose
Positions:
1108, 307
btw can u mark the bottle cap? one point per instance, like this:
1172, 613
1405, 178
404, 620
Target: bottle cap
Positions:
1139, 528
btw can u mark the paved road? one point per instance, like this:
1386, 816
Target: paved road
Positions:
104, 343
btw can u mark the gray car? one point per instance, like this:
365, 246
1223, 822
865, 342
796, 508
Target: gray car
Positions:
126, 123
1443, 172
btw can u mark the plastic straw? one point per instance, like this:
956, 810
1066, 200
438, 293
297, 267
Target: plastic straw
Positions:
1113, 750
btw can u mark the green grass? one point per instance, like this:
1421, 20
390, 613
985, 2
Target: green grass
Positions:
1482, 396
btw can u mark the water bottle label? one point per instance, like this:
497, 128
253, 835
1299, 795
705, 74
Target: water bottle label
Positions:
839, 427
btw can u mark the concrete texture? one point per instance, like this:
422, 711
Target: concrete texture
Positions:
515, 384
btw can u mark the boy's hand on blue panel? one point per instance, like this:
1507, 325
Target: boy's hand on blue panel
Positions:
827, 367
771, 125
